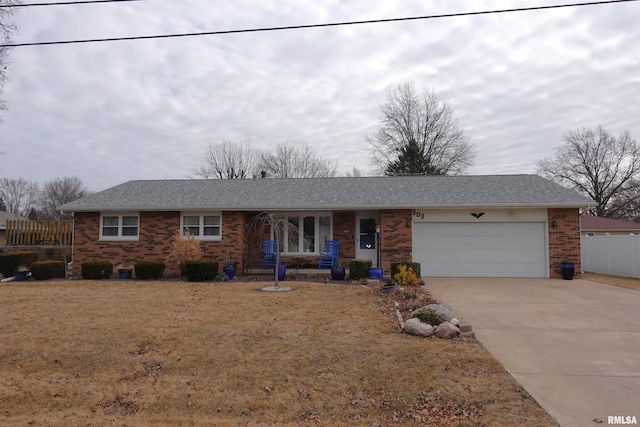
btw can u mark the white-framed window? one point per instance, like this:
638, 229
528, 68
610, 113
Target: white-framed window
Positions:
312, 230
590, 234
204, 226
119, 226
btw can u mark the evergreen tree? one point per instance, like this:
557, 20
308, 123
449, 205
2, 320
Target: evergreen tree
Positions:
417, 124
412, 161
33, 215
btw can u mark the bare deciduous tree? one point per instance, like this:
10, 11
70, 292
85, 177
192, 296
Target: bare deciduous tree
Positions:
409, 117
276, 225
597, 164
19, 195
59, 191
7, 29
354, 173
626, 204
288, 161
228, 160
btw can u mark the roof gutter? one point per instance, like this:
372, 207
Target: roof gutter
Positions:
331, 207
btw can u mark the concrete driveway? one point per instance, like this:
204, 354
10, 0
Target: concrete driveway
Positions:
574, 345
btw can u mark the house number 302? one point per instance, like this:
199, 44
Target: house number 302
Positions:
418, 214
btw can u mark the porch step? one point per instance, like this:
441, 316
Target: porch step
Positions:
295, 271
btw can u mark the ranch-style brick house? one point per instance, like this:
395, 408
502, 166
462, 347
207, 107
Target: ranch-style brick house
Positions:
454, 226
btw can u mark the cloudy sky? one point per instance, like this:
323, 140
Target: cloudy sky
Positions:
116, 111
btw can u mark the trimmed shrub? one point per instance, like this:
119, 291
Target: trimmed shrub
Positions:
96, 270
11, 261
359, 269
429, 316
395, 267
201, 270
46, 270
149, 270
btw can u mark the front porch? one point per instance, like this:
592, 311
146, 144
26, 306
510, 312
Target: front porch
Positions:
382, 236
298, 272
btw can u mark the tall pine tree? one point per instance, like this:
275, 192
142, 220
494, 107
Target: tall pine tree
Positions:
412, 161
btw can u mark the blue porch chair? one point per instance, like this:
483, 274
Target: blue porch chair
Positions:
269, 250
329, 257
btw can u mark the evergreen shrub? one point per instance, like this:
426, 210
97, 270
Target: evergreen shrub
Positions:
11, 261
149, 270
96, 270
359, 269
46, 270
201, 270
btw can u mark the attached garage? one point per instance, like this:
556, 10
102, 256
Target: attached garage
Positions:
482, 248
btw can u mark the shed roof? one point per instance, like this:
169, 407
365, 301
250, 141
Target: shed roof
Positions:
4, 216
344, 193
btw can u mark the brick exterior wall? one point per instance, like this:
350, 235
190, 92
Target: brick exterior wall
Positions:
156, 233
157, 230
396, 241
344, 231
564, 240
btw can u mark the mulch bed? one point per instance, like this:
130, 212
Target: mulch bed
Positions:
405, 300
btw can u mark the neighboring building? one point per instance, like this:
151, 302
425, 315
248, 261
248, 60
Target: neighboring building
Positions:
473, 226
4, 216
598, 226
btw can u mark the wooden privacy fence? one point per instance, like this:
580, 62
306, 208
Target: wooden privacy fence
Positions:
26, 232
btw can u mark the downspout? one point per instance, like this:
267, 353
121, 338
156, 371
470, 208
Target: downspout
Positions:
64, 255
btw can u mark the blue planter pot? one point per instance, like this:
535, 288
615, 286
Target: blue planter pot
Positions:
375, 273
389, 288
567, 269
337, 273
20, 276
124, 274
230, 271
282, 272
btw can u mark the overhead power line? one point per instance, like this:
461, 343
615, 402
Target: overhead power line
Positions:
64, 3
299, 27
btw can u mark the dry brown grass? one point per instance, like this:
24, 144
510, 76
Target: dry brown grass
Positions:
172, 353
623, 282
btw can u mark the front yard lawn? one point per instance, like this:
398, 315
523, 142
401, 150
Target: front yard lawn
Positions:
623, 282
175, 353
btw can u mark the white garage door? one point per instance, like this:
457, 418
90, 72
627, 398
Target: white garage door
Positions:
480, 249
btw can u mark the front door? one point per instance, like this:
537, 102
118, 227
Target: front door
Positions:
367, 239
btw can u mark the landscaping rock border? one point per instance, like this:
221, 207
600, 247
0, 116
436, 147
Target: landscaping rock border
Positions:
449, 329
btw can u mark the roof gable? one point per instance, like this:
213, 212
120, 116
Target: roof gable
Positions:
332, 194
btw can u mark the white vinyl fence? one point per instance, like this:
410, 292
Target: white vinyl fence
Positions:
614, 255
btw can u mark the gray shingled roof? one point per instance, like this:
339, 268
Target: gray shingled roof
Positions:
332, 194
